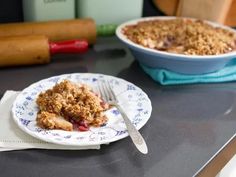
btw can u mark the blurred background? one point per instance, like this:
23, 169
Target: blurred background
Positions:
12, 11
221, 11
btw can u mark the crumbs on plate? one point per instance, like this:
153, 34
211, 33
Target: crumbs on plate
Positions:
70, 106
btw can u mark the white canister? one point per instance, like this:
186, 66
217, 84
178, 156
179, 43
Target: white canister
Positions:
44, 10
109, 11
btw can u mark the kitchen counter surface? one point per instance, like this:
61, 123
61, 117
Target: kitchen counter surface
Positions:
189, 124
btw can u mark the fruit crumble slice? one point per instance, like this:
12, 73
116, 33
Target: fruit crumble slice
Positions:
70, 106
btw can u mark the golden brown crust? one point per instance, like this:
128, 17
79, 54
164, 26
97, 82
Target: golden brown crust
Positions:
72, 101
183, 36
52, 121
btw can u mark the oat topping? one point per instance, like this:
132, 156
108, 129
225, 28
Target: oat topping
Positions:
69, 105
182, 36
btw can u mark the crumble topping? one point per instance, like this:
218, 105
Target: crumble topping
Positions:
182, 36
69, 106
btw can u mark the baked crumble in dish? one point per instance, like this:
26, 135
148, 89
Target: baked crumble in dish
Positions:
182, 36
70, 106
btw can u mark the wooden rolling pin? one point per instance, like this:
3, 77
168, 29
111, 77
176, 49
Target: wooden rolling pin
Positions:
35, 49
54, 30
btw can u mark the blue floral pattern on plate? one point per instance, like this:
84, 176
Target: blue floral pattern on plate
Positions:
133, 99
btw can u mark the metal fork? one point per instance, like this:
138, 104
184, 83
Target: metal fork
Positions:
109, 96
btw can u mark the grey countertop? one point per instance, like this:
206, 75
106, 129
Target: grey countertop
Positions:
188, 126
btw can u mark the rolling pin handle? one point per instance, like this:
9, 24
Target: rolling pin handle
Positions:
72, 46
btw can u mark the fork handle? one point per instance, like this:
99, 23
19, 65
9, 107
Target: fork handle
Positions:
136, 137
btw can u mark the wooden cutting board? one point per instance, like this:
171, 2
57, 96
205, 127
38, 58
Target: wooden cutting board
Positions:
221, 11
231, 16
213, 10
169, 7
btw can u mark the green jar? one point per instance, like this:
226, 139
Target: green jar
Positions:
109, 11
44, 10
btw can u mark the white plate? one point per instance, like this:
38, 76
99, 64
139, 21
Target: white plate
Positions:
133, 99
